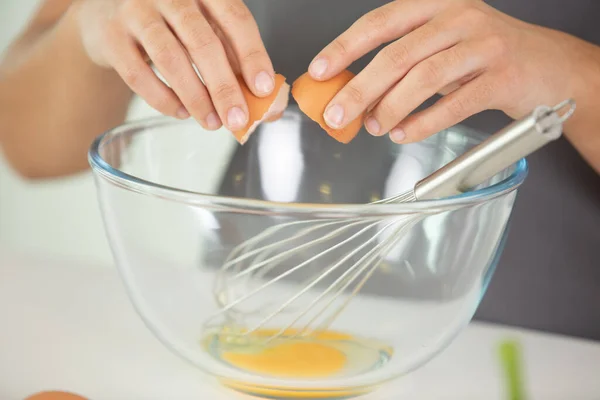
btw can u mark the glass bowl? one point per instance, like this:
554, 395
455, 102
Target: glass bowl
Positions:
178, 202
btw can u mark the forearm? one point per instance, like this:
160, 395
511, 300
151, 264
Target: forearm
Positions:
54, 101
583, 129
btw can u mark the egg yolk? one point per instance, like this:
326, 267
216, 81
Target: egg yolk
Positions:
292, 358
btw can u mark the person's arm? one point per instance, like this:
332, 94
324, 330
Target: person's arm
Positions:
476, 56
60, 85
583, 129
53, 99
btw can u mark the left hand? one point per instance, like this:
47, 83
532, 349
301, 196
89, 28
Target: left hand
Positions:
475, 56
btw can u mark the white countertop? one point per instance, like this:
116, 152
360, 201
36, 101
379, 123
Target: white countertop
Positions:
64, 327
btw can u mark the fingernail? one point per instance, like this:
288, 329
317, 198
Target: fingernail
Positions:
397, 135
264, 83
334, 116
373, 126
318, 67
213, 121
182, 113
236, 118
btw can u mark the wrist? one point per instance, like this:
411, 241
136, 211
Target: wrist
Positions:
582, 74
551, 67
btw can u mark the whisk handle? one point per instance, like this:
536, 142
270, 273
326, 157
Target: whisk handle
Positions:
496, 153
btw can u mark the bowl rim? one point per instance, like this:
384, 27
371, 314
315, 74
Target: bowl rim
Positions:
102, 169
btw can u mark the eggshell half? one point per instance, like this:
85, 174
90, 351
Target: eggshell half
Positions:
314, 96
263, 108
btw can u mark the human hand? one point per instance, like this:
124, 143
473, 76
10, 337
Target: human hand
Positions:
472, 54
219, 37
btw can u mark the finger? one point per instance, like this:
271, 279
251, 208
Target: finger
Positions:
427, 79
231, 56
387, 68
173, 63
209, 56
127, 60
242, 34
457, 84
474, 97
379, 26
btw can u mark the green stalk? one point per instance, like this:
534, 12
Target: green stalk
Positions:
510, 359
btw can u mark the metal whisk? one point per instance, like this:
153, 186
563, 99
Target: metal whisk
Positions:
265, 259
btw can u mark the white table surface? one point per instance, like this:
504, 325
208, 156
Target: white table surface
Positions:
70, 327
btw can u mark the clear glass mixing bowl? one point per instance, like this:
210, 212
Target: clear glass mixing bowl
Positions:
174, 210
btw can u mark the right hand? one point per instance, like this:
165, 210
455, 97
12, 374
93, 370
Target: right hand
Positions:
219, 37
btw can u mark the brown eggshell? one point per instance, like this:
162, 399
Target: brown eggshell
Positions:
314, 96
263, 108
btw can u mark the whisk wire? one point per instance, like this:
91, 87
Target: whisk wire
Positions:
378, 257
373, 258
236, 302
316, 281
